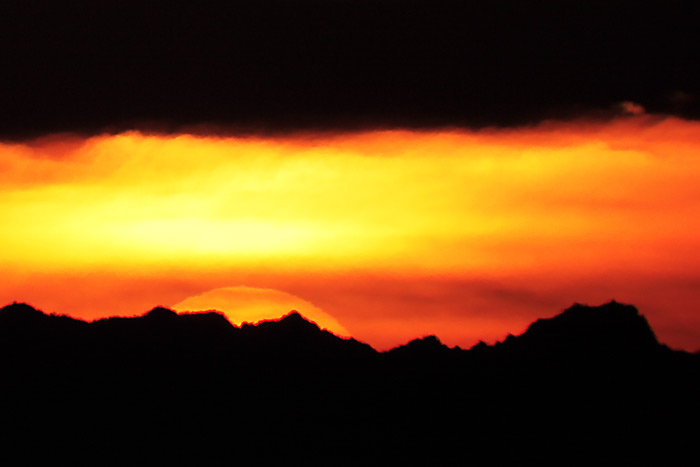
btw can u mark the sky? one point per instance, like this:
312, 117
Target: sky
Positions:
390, 169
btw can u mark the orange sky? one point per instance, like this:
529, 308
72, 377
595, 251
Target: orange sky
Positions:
386, 235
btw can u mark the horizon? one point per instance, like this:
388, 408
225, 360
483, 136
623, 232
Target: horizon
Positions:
292, 313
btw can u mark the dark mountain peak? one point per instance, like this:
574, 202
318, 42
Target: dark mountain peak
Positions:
582, 311
24, 326
161, 313
293, 335
613, 327
427, 342
293, 316
611, 320
291, 322
479, 346
215, 318
427, 346
20, 313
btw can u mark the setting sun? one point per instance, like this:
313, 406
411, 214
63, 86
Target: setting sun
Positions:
249, 305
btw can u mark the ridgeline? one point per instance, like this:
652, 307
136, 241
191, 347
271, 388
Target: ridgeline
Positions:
590, 383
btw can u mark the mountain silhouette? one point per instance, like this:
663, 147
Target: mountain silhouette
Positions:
584, 335
168, 387
612, 327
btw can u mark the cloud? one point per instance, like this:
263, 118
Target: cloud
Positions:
631, 108
276, 66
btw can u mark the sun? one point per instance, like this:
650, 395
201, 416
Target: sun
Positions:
243, 304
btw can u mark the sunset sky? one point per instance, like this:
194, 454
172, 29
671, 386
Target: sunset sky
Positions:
384, 235
389, 169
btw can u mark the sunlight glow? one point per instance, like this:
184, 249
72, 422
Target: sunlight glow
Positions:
536, 205
251, 305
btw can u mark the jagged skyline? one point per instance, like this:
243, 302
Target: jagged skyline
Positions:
581, 319
172, 387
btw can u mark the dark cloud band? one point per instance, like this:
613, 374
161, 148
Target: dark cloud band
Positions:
284, 64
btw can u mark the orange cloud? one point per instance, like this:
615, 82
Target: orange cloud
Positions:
516, 217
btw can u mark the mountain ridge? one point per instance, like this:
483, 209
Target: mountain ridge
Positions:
285, 390
577, 324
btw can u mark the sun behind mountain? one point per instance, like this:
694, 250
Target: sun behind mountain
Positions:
243, 304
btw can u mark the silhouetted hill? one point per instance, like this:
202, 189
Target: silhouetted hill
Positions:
20, 313
428, 345
293, 334
584, 335
612, 327
167, 387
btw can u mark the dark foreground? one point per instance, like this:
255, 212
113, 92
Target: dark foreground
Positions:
590, 385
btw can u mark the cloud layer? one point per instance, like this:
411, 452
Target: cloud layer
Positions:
277, 65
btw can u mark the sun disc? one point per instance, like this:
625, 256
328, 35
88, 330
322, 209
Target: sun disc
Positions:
243, 304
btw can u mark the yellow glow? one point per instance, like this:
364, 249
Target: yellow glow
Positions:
389, 197
251, 305
542, 203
